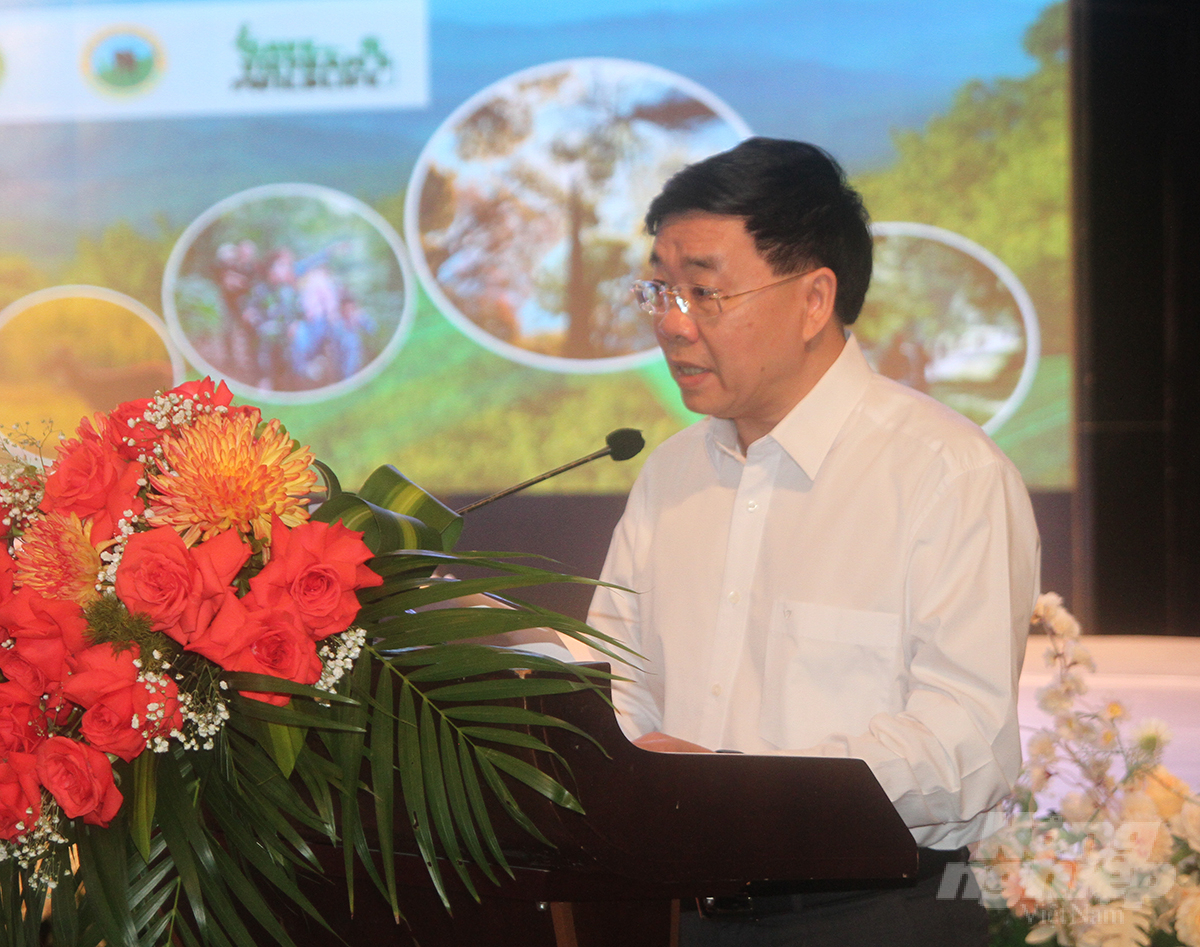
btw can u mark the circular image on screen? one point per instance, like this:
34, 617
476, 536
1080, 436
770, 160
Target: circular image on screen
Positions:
947, 317
290, 292
525, 208
69, 351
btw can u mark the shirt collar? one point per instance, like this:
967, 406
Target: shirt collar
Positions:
808, 431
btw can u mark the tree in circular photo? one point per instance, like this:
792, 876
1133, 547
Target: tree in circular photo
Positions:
944, 316
525, 209
70, 351
290, 292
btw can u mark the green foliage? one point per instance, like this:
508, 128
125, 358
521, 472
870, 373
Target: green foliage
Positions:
125, 259
994, 168
109, 620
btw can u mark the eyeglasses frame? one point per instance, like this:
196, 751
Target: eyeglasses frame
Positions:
673, 291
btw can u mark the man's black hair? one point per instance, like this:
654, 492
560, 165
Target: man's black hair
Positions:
796, 205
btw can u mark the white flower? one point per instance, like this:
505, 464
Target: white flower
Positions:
1047, 603
1043, 747
1054, 699
1152, 735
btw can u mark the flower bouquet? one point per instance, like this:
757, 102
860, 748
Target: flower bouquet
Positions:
201, 672
1117, 862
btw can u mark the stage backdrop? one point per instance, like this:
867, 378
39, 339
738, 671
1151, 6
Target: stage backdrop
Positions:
408, 228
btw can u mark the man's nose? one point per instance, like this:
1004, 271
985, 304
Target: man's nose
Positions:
676, 324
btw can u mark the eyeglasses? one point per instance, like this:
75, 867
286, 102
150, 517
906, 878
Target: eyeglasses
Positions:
655, 297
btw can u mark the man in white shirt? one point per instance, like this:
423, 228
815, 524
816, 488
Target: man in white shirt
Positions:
830, 564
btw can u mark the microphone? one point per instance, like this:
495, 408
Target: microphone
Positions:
623, 443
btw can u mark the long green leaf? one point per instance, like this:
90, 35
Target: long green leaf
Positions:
435, 795
416, 593
145, 798
178, 809
479, 809
466, 660
249, 895
348, 754
504, 688
33, 905
412, 786
240, 840
102, 861
532, 777
501, 713
246, 681
502, 792
509, 737
460, 805
291, 716
64, 918
383, 769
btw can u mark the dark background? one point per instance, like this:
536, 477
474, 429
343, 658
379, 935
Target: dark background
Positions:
1137, 215
1124, 549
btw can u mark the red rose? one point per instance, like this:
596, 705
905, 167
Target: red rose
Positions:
92, 480
217, 563
315, 569
22, 723
29, 615
20, 795
38, 665
202, 391
180, 589
123, 713
282, 650
106, 726
80, 779
97, 671
260, 640
43, 632
157, 578
128, 432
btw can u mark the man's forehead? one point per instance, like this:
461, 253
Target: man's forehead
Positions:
697, 240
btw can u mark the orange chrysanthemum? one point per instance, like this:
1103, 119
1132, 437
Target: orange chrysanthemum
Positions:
57, 559
218, 475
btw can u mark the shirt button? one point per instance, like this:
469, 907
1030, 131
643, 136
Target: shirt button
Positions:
716, 689
752, 505
735, 596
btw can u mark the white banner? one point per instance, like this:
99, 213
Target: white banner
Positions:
155, 60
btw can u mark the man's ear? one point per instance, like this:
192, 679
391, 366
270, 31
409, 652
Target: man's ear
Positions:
818, 302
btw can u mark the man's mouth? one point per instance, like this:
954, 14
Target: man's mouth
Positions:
689, 370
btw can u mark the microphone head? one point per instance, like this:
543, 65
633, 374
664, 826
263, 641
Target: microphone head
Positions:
625, 442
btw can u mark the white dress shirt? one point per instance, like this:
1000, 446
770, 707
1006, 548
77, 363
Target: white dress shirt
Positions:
858, 584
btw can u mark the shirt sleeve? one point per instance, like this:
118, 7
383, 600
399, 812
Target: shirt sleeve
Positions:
971, 583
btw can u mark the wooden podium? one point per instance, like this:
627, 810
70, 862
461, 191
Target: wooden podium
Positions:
659, 827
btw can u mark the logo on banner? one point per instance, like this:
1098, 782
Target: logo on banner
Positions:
307, 64
125, 60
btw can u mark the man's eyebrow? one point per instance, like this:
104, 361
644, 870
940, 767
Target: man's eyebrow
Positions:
690, 262
701, 262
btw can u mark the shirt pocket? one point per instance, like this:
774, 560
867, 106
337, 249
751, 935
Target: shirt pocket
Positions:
828, 671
